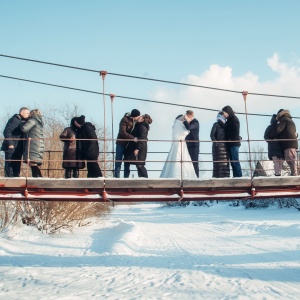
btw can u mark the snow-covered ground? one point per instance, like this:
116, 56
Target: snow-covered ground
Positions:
146, 251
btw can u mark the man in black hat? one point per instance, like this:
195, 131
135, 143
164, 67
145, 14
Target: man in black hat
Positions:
232, 132
89, 146
13, 145
126, 126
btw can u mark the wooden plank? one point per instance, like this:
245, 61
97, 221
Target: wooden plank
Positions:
146, 183
143, 183
276, 182
61, 183
217, 183
14, 182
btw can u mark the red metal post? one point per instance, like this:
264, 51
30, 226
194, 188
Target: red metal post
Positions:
103, 74
112, 97
28, 160
245, 93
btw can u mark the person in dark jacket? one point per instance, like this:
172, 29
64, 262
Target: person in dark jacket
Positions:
285, 131
34, 145
275, 152
193, 145
13, 145
89, 146
72, 158
136, 152
126, 127
219, 148
232, 131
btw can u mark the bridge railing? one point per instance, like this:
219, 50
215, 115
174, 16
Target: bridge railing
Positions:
156, 156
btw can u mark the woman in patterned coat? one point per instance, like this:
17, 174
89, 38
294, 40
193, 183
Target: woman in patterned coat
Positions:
219, 149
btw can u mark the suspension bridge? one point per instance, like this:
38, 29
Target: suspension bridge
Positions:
105, 189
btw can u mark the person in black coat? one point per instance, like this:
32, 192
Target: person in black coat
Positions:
219, 149
13, 145
275, 152
72, 158
89, 146
193, 145
232, 131
126, 126
136, 152
285, 131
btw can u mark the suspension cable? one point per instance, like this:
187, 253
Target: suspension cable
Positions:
127, 97
146, 78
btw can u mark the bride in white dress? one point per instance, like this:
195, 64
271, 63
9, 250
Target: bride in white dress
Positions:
179, 163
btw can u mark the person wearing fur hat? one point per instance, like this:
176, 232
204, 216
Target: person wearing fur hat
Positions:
72, 160
285, 131
89, 146
275, 152
126, 127
219, 148
136, 152
232, 132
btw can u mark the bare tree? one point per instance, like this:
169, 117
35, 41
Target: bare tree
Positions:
52, 217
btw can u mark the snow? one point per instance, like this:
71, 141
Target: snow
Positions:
147, 251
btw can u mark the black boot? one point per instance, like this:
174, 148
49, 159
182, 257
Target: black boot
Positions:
68, 173
35, 171
75, 173
39, 172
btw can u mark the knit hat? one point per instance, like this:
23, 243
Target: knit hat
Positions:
221, 117
72, 122
273, 119
280, 110
135, 113
80, 120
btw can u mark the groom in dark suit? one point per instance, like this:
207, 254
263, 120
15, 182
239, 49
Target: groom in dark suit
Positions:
192, 124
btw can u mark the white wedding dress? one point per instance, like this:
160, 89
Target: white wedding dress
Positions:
178, 152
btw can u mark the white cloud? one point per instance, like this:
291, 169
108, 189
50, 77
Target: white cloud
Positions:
282, 68
286, 82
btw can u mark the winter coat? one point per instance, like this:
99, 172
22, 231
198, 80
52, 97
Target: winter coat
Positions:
72, 149
286, 129
232, 128
274, 147
141, 132
33, 129
193, 135
125, 129
219, 151
13, 133
90, 146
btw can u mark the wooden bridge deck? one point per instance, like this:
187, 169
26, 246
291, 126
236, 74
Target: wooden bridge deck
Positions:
146, 190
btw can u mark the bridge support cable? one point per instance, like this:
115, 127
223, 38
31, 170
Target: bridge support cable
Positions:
245, 93
112, 97
103, 74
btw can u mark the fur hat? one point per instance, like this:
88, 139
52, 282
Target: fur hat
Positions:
135, 113
80, 120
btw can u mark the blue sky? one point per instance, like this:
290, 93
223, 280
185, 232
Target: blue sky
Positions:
239, 45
